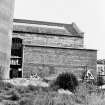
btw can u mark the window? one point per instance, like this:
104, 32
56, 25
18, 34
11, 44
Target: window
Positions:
16, 58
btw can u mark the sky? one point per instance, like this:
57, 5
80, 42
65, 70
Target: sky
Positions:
89, 15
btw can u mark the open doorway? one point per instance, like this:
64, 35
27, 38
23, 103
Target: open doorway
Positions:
16, 58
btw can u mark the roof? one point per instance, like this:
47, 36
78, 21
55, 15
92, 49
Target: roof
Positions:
23, 25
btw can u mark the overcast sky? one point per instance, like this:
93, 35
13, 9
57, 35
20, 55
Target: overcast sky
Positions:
89, 15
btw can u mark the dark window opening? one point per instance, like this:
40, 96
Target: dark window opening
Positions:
16, 58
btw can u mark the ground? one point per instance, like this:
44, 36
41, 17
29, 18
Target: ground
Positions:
39, 95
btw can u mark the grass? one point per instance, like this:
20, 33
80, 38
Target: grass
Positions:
35, 95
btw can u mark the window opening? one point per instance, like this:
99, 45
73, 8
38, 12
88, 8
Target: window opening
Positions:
16, 58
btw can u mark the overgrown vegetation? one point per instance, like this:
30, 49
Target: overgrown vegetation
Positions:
66, 81
83, 93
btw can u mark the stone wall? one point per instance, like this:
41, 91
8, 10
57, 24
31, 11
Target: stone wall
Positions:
6, 16
47, 61
50, 40
49, 52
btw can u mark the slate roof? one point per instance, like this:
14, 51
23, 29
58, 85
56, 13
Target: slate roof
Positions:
42, 27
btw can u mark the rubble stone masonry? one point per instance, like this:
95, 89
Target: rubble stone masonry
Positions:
47, 61
50, 51
6, 16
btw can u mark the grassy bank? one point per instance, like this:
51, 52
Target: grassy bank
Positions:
35, 95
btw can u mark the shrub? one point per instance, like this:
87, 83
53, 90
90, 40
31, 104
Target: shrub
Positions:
10, 103
5, 85
13, 95
33, 88
53, 85
67, 81
26, 101
83, 74
22, 89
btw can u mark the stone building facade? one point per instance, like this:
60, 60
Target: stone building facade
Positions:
50, 48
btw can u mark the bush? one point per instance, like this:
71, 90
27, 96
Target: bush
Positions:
26, 101
83, 74
22, 89
53, 85
10, 103
100, 80
5, 85
13, 95
67, 81
33, 88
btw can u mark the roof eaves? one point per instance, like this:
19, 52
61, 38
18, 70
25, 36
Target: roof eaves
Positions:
71, 29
